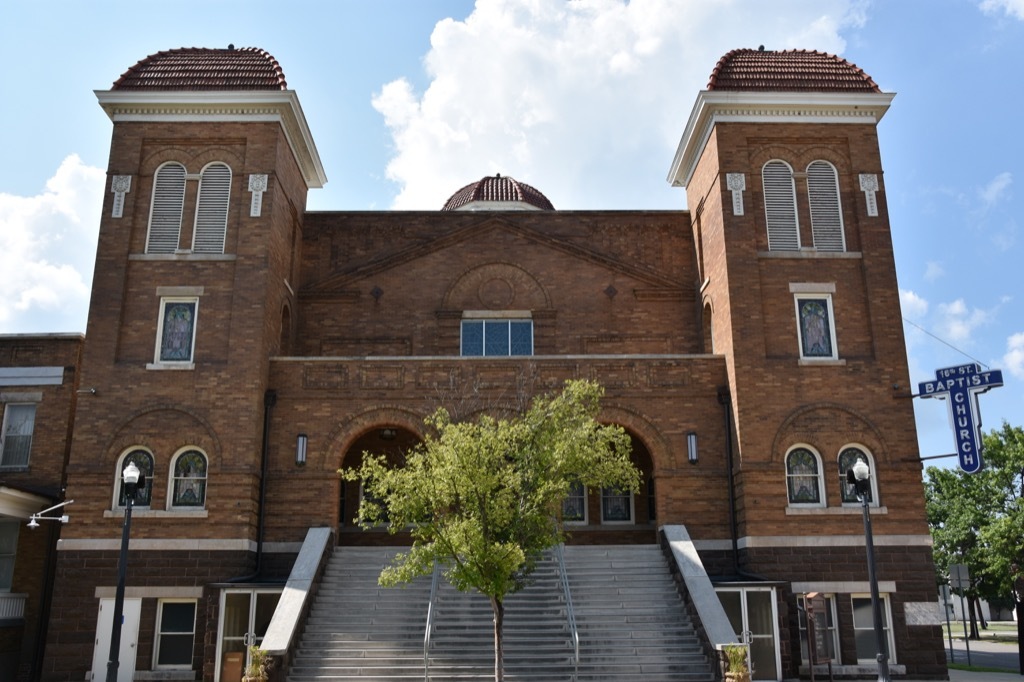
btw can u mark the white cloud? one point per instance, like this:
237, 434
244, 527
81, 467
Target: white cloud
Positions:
563, 95
996, 189
1013, 8
933, 271
48, 249
1014, 358
958, 322
913, 305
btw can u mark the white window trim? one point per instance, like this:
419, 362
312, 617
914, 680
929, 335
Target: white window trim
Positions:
887, 610
586, 511
157, 632
816, 226
783, 233
837, 658
171, 478
3, 433
496, 316
805, 291
203, 211
873, 502
822, 499
152, 206
174, 364
632, 512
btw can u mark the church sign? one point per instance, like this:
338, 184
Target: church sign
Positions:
961, 386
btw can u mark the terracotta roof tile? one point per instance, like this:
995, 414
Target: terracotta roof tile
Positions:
200, 68
498, 188
788, 70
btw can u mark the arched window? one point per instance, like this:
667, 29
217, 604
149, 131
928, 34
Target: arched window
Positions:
826, 214
803, 477
780, 206
188, 480
848, 456
165, 212
212, 209
143, 459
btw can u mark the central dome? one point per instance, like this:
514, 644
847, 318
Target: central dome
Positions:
498, 193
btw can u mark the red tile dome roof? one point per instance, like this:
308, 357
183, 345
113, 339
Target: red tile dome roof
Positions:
498, 189
201, 68
789, 71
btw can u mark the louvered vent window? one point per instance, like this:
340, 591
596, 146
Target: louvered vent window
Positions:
212, 209
165, 214
826, 214
780, 207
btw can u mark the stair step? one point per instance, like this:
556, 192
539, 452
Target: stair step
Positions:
630, 619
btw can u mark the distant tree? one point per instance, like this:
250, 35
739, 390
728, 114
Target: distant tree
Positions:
484, 498
978, 519
1004, 534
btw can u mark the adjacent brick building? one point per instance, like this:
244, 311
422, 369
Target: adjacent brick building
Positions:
752, 347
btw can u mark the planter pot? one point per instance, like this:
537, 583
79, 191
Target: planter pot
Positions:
737, 677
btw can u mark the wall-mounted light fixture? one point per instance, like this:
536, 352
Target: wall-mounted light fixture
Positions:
387, 434
691, 447
34, 519
301, 441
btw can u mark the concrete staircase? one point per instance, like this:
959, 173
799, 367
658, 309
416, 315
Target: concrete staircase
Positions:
631, 623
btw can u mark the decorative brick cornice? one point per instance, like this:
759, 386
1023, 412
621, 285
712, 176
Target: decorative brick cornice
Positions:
222, 106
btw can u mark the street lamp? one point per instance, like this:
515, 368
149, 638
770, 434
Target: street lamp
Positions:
859, 476
133, 481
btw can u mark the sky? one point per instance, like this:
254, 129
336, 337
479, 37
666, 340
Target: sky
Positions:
409, 100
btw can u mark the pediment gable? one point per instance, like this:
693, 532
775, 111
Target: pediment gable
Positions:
489, 229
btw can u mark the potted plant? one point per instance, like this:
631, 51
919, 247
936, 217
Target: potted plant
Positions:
736, 663
256, 671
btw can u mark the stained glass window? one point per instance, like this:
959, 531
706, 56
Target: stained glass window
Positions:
574, 507
144, 461
815, 328
802, 477
616, 506
177, 330
189, 487
847, 458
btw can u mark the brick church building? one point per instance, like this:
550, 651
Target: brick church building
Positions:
241, 349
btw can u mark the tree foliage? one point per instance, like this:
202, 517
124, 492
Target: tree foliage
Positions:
484, 498
978, 519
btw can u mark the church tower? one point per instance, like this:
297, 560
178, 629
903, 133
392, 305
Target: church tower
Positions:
210, 162
783, 176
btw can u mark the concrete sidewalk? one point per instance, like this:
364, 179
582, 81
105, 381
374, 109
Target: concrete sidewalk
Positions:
968, 676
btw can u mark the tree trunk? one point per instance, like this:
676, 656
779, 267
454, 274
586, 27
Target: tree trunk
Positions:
499, 618
974, 622
1020, 636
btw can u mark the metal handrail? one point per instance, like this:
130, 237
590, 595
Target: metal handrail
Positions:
569, 611
430, 623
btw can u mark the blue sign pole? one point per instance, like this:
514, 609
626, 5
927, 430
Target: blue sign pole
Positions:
961, 386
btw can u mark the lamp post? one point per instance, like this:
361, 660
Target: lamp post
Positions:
133, 480
859, 476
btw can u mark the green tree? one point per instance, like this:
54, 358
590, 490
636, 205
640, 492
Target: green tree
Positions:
483, 498
1004, 534
978, 519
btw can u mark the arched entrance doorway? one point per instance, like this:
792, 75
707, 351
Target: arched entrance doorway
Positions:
386, 439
